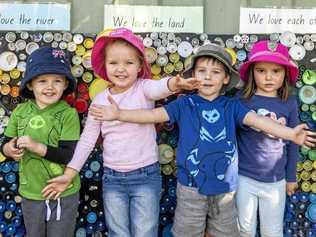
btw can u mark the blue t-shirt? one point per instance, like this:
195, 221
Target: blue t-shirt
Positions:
261, 156
207, 151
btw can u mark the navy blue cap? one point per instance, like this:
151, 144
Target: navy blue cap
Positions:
47, 60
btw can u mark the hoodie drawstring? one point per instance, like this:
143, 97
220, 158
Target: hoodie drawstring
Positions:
58, 211
49, 211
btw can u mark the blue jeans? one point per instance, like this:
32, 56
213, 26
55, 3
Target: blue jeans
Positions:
131, 201
269, 198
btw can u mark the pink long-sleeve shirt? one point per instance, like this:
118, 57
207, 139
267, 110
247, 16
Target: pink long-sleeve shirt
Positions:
126, 146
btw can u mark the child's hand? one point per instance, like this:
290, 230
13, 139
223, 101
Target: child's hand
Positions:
26, 142
291, 187
56, 186
303, 136
105, 113
10, 149
178, 83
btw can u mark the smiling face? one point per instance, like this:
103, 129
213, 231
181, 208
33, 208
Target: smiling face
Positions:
48, 89
269, 78
212, 75
122, 63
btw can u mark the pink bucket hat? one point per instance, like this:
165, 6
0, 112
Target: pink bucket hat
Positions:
270, 51
98, 50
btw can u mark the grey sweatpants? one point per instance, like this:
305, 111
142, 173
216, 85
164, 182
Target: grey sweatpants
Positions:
35, 213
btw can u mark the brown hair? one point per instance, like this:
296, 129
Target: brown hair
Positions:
250, 87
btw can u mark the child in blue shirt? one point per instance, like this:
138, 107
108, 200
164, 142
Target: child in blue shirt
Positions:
267, 165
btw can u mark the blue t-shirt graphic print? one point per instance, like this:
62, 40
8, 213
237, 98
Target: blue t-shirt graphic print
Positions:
207, 153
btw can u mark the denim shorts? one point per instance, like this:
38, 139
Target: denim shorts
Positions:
131, 201
196, 214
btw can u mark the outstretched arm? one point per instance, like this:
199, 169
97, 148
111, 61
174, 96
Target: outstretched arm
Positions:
113, 112
178, 83
298, 135
159, 89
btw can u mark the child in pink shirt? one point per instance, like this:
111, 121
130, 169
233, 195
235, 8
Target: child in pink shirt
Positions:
131, 180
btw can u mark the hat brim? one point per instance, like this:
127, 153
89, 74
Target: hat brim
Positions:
98, 57
290, 65
47, 69
234, 75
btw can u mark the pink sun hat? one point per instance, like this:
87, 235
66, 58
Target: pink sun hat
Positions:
270, 51
98, 50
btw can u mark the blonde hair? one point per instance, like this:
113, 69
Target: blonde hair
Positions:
250, 86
